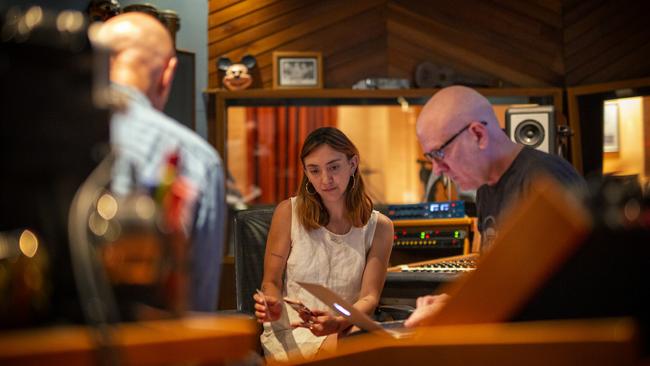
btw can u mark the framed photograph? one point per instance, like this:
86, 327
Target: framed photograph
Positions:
297, 70
610, 127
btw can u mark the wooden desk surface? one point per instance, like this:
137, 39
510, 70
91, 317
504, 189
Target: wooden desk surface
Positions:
204, 338
601, 342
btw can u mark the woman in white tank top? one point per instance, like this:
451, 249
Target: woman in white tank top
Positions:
328, 234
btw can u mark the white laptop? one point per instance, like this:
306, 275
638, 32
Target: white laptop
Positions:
346, 310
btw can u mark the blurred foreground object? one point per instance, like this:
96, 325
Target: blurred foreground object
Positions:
603, 342
53, 135
204, 340
138, 241
24, 286
557, 259
55, 131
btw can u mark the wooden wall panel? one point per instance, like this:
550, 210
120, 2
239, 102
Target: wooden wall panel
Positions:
335, 42
493, 31
224, 25
314, 23
221, 4
544, 11
533, 43
404, 56
367, 59
606, 40
485, 46
389, 38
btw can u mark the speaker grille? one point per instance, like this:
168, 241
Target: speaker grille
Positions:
530, 133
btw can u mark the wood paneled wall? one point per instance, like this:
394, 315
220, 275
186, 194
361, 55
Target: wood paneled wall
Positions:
495, 43
606, 40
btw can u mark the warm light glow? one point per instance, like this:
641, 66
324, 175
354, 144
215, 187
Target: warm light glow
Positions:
403, 103
632, 210
4, 247
145, 208
28, 243
97, 224
93, 31
628, 156
33, 16
107, 206
113, 232
372, 128
70, 21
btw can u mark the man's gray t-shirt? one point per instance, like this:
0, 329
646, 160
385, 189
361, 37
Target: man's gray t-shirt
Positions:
515, 184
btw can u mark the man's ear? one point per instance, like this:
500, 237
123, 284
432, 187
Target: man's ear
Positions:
164, 86
480, 133
168, 73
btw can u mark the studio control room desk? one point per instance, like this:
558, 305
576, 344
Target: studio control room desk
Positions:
202, 339
603, 342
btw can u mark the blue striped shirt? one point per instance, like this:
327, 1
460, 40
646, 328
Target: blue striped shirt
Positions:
143, 138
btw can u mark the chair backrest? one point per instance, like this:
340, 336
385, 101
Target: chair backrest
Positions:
251, 227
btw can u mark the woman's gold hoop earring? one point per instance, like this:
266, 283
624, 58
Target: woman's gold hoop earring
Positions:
307, 189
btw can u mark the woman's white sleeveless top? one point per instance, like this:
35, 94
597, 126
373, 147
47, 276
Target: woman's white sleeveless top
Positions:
317, 256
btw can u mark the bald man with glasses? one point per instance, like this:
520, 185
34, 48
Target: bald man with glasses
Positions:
461, 136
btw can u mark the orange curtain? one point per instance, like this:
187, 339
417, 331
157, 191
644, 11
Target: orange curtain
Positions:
275, 136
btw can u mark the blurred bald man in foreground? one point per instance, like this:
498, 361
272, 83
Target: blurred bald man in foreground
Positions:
146, 141
461, 136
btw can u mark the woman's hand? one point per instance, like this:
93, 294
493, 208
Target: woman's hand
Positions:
321, 323
267, 308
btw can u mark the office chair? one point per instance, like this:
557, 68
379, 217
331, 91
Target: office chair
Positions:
251, 227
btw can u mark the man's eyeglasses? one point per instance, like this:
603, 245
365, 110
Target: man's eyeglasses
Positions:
438, 154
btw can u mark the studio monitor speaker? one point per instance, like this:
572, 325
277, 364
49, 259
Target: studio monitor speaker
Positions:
532, 126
